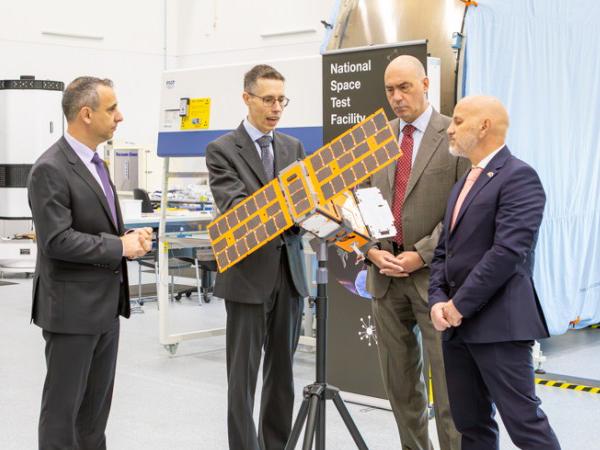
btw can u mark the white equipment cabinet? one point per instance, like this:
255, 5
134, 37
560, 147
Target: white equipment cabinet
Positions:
31, 120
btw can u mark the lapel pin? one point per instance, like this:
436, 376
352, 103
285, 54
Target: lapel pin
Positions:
490, 174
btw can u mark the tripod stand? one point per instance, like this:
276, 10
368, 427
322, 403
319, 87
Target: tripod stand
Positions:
312, 409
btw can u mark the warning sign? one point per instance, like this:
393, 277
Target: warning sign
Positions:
198, 115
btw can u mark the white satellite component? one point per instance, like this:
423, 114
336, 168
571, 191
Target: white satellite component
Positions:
31, 120
375, 212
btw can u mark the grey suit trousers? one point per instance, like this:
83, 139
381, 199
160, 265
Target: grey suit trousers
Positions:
397, 316
251, 328
78, 390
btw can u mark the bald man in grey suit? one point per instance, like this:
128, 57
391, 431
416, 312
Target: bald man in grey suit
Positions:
417, 189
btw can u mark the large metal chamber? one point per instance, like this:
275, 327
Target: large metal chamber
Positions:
362, 23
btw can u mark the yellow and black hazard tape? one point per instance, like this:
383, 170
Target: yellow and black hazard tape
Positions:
570, 386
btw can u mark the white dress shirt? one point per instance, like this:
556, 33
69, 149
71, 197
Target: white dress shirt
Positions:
420, 124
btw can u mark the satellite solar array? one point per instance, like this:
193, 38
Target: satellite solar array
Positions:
302, 187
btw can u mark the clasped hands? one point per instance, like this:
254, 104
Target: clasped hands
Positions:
137, 242
399, 266
445, 315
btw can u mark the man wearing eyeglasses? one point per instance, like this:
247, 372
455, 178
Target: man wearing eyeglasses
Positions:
264, 292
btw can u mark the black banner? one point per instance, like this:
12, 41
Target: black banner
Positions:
353, 88
353, 84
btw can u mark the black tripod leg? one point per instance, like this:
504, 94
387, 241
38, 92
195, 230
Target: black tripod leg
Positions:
320, 444
341, 407
311, 422
295, 434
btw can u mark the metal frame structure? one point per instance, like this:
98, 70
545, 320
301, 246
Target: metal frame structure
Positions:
167, 338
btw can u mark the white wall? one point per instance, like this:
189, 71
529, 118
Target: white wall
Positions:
132, 49
224, 32
215, 32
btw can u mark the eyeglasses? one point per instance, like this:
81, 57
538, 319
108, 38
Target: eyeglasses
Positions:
270, 100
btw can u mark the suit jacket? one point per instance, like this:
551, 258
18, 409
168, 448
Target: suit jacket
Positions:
485, 263
235, 171
80, 267
433, 174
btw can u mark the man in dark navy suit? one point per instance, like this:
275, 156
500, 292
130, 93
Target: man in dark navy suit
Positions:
481, 291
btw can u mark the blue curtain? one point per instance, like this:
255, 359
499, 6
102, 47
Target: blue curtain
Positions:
541, 58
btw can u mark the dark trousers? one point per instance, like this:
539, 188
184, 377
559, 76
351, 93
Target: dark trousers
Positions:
482, 377
397, 316
78, 389
275, 327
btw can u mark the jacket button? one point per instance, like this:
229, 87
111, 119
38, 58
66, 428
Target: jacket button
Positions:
452, 284
115, 271
449, 255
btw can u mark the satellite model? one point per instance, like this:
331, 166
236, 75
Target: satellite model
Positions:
316, 194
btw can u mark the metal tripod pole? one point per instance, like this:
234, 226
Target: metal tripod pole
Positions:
321, 371
313, 406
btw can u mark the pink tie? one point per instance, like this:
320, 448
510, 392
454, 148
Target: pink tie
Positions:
469, 182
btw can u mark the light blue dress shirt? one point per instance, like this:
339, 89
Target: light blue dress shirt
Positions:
255, 134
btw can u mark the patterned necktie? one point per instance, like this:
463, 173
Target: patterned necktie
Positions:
403, 167
469, 182
266, 156
108, 192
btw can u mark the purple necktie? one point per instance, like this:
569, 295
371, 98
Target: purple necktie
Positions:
108, 192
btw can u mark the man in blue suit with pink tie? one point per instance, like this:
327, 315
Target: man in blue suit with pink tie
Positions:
481, 290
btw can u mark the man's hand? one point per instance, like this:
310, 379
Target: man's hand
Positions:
411, 261
137, 242
388, 264
452, 315
145, 235
146, 232
437, 317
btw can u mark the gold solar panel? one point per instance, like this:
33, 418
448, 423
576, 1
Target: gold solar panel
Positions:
302, 188
352, 157
296, 187
249, 225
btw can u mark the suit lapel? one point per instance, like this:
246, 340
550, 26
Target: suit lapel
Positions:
83, 172
387, 182
488, 173
452, 198
429, 145
249, 153
120, 224
281, 154
391, 168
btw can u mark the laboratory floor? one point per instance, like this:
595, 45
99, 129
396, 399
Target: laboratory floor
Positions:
178, 402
